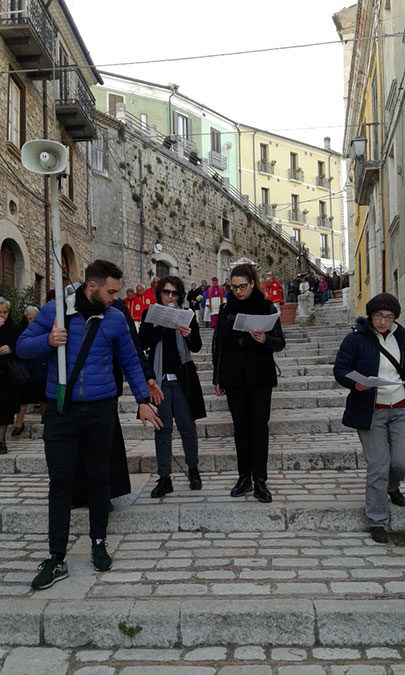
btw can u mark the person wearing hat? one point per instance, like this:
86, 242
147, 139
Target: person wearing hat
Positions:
215, 298
376, 347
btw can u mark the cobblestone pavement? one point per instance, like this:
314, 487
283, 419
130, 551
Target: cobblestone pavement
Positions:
248, 660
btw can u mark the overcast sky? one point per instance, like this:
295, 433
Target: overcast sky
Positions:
297, 93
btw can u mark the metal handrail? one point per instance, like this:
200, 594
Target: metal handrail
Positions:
34, 14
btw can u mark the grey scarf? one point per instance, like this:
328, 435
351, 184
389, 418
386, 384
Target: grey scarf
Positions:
184, 354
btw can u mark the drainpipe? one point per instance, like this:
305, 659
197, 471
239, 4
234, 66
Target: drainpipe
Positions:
331, 214
240, 159
141, 217
46, 193
254, 167
174, 88
380, 140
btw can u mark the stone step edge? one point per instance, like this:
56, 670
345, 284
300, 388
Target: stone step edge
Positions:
215, 460
202, 621
207, 517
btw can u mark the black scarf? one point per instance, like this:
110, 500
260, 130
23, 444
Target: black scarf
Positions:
85, 307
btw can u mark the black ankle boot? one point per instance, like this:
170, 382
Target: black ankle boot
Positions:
3, 448
243, 485
163, 487
262, 493
194, 478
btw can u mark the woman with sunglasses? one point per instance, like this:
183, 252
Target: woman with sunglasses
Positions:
169, 354
376, 347
244, 369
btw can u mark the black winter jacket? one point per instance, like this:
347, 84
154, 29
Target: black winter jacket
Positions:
358, 351
238, 359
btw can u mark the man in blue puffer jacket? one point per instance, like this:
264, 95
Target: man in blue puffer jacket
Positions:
90, 419
378, 413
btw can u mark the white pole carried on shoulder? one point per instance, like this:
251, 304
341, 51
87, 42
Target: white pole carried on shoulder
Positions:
51, 158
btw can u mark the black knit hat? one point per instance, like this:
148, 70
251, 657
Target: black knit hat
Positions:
385, 302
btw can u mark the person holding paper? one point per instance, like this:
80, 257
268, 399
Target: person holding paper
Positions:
169, 354
244, 369
376, 347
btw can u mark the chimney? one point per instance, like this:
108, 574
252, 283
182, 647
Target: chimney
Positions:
326, 142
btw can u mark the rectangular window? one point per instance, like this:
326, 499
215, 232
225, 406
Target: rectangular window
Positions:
99, 152
114, 100
293, 161
265, 195
226, 228
263, 152
294, 203
66, 182
322, 210
321, 170
16, 112
182, 126
324, 246
215, 141
297, 234
144, 121
359, 270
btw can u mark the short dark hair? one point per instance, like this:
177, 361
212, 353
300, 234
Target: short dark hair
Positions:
99, 270
175, 281
249, 272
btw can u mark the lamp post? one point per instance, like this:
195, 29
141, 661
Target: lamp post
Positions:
358, 148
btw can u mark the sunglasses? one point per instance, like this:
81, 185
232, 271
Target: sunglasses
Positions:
166, 291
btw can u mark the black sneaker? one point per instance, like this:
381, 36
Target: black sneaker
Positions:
99, 556
51, 571
194, 478
163, 487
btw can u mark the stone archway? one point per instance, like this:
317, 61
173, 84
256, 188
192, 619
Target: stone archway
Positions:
69, 265
17, 254
225, 255
164, 261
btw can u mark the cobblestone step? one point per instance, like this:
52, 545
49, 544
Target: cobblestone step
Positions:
229, 659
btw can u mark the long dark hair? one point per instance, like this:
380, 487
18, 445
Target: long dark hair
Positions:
249, 272
175, 281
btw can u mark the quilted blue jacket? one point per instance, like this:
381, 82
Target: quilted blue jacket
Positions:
357, 352
96, 380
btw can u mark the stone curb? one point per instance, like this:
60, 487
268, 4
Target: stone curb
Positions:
201, 621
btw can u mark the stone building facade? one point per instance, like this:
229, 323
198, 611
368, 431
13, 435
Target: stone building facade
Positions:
34, 43
155, 213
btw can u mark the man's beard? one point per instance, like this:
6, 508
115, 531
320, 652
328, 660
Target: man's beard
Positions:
96, 299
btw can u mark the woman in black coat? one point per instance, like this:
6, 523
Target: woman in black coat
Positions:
169, 353
244, 369
9, 400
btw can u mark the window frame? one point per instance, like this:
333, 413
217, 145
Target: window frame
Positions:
16, 138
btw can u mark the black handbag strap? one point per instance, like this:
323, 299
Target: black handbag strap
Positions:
387, 354
80, 359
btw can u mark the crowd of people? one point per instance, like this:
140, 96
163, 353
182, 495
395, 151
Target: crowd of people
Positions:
321, 286
84, 445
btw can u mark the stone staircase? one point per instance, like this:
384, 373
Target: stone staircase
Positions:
201, 568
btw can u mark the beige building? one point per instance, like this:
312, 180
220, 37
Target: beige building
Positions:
41, 97
299, 187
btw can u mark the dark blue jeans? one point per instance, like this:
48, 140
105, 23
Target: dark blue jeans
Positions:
175, 405
90, 427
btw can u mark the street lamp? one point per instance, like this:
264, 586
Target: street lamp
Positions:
358, 147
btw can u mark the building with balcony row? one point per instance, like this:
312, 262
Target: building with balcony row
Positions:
375, 138
44, 94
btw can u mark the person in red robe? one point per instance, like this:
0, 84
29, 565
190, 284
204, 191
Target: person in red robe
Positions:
149, 295
273, 290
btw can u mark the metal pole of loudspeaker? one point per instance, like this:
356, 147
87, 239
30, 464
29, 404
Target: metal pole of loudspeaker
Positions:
50, 158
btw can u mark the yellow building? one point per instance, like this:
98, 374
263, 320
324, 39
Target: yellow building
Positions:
299, 186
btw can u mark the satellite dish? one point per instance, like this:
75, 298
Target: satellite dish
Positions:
158, 248
44, 156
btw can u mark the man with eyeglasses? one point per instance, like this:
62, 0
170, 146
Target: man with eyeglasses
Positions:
376, 347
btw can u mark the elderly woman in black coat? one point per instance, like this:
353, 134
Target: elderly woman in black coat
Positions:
169, 353
9, 402
244, 369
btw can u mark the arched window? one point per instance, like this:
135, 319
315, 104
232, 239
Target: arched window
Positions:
162, 269
7, 265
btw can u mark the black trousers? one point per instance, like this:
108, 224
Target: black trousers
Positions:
89, 426
250, 410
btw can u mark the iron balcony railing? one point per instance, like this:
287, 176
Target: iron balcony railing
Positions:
296, 174
73, 90
33, 14
322, 181
265, 166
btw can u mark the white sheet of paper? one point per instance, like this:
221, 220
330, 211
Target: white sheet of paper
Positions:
370, 381
169, 317
249, 322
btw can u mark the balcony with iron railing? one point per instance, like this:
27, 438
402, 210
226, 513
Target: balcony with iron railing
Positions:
29, 33
297, 216
75, 106
322, 181
296, 174
263, 166
324, 253
217, 160
324, 221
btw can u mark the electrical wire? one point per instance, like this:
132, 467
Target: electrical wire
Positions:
204, 56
